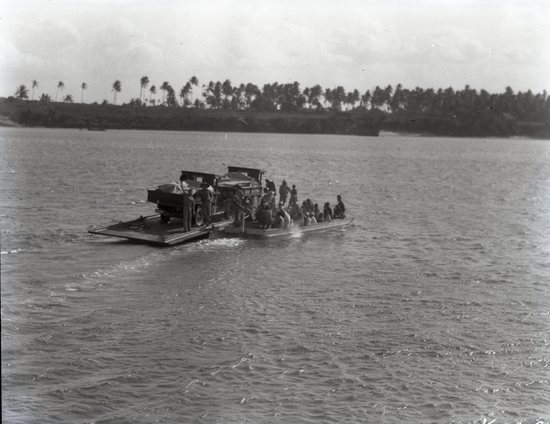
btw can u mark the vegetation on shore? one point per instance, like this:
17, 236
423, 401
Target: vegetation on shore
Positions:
108, 116
287, 108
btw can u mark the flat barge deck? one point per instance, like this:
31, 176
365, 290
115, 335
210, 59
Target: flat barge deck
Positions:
152, 230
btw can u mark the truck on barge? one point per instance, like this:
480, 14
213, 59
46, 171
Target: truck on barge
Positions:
169, 197
165, 228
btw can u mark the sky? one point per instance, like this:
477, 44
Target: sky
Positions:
357, 44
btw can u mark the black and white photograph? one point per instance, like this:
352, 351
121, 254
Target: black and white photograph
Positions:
292, 211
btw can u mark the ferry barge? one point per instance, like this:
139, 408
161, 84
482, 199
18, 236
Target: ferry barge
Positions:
166, 229
253, 229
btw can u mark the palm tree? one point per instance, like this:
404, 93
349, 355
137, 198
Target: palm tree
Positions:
68, 99
34, 85
314, 98
144, 82
337, 97
251, 91
184, 93
238, 101
217, 93
164, 88
227, 91
328, 97
22, 92
171, 99
397, 98
152, 91
194, 81
366, 98
60, 86
117, 87
378, 98
83, 86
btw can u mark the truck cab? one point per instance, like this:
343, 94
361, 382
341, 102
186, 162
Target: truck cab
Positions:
169, 197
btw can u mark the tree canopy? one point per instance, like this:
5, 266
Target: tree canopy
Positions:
117, 88
291, 97
22, 92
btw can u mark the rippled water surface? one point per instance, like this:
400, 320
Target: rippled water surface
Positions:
434, 307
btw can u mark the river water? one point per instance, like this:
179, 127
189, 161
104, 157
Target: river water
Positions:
433, 307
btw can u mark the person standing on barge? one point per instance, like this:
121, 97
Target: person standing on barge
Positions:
188, 204
237, 198
269, 198
340, 208
284, 190
293, 195
206, 200
270, 185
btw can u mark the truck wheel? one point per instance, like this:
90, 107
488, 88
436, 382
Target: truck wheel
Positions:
199, 217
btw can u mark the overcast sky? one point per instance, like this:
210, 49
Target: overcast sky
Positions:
353, 43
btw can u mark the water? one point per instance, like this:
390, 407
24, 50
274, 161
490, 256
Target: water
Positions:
434, 307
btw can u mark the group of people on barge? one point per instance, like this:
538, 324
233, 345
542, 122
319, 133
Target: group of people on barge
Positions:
268, 212
288, 210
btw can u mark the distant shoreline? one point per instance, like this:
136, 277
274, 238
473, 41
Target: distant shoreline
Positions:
5, 121
361, 122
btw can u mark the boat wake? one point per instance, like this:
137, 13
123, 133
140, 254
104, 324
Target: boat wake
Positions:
130, 267
10, 252
122, 269
295, 232
218, 243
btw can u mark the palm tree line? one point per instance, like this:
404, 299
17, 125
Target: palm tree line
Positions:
290, 97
